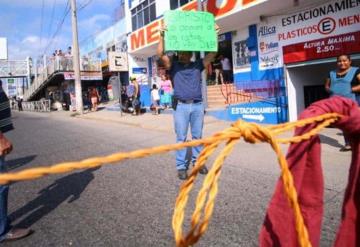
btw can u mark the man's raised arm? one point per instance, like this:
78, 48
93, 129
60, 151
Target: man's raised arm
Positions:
160, 50
211, 55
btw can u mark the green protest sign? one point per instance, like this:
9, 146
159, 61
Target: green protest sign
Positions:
190, 31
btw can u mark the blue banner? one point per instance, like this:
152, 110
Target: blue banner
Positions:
263, 112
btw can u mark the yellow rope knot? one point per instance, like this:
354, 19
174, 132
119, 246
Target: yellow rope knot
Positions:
205, 202
252, 132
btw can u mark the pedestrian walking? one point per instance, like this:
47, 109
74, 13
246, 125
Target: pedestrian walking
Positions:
133, 93
188, 106
94, 98
7, 232
218, 71
345, 82
226, 69
19, 102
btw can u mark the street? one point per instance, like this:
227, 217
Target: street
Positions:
131, 204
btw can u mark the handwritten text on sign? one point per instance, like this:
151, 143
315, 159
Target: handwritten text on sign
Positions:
190, 31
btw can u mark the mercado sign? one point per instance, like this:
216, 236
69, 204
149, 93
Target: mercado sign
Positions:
190, 31
149, 34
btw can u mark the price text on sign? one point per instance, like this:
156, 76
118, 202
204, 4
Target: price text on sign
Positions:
190, 31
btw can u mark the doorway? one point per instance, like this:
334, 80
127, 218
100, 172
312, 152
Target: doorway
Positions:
305, 83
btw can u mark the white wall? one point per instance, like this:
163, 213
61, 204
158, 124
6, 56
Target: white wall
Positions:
3, 48
161, 7
299, 77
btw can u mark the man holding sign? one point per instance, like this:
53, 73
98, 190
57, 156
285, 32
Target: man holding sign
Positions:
186, 74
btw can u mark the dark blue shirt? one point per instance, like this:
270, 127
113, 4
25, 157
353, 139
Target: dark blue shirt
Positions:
187, 80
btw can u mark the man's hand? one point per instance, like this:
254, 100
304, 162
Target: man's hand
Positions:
160, 49
5, 145
217, 29
162, 29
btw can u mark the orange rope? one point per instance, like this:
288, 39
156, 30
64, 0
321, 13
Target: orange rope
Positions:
205, 202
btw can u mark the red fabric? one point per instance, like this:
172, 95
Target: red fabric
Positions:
304, 160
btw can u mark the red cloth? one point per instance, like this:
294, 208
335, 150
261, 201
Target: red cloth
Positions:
304, 160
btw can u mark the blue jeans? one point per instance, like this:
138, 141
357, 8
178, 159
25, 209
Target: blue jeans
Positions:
184, 115
4, 189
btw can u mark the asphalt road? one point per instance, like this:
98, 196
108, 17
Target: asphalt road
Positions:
131, 203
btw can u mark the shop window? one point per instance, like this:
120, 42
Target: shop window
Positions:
174, 4
143, 14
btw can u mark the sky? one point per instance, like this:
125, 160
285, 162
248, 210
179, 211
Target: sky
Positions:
30, 25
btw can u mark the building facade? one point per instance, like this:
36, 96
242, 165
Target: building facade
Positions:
281, 51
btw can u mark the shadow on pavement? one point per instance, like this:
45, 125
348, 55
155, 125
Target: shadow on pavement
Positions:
330, 141
19, 162
68, 189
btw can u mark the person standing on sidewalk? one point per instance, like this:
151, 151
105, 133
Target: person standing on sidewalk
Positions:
345, 82
133, 92
94, 97
166, 89
19, 102
226, 68
188, 107
7, 232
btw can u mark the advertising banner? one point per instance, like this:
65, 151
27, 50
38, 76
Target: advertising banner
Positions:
241, 53
85, 76
263, 112
322, 48
321, 31
118, 61
269, 50
11, 87
330, 19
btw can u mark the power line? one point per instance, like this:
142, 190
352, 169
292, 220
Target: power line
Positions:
84, 5
42, 21
66, 12
51, 18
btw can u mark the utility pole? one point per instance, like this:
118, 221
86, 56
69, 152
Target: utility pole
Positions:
203, 73
76, 59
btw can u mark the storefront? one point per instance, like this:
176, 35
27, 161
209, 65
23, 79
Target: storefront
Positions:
142, 42
280, 61
311, 40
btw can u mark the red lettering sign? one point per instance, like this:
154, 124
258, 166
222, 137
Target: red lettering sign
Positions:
246, 2
152, 33
137, 39
212, 8
148, 34
190, 6
322, 48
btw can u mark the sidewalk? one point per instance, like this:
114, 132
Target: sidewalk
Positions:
331, 137
161, 122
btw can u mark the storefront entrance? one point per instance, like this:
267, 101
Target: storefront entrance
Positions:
306, 83
225, 54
